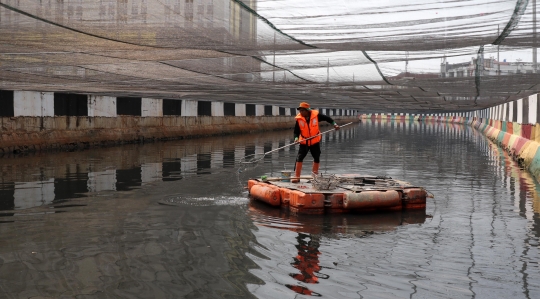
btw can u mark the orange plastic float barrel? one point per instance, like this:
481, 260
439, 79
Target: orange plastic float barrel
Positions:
372, 200
303, 203
267, 193
334, 203
251, 183
414, 198
285, 196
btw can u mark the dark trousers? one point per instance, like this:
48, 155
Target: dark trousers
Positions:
315, 150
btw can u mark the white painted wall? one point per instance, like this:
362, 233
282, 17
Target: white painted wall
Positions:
189, 108
520, 111
47, 103
533, 108
151, 107
275, 110
240, 109
259, 110
218, 109
33, 103
288, 111
101, 106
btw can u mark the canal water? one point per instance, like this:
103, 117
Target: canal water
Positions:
173, 220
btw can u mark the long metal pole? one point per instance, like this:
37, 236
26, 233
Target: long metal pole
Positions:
277, 149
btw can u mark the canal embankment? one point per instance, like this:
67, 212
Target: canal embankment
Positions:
39, 121
515, 126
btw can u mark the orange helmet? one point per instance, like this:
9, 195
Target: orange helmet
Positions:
303, 105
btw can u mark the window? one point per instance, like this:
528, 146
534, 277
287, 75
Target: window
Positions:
66, 104
128, 106
229, 109
6, 102
204, 108
268, 110
250, 110
172, 107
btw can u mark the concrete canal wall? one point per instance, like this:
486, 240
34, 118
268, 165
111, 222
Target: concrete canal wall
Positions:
515, 126
34, 121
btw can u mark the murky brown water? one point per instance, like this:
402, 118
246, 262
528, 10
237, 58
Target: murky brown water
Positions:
172, 220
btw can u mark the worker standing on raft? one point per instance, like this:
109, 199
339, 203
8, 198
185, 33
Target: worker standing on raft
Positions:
307, 125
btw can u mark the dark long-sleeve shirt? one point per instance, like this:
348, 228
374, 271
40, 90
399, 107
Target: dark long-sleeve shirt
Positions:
320, 117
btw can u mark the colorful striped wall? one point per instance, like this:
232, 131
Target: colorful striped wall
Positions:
515, 126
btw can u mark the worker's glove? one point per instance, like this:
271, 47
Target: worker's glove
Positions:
295, 139
336, 127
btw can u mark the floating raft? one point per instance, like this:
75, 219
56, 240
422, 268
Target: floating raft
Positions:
353, 193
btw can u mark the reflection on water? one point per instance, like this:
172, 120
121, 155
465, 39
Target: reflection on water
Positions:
332, 225
307, 262
311, 228
39, 179
173, 220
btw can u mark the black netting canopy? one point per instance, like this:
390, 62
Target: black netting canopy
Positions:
375, 56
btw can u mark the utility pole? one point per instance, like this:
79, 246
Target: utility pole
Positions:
498, 59
274, 63
406, 63
534, 36
328, 72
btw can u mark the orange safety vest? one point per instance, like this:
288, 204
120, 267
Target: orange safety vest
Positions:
309, 130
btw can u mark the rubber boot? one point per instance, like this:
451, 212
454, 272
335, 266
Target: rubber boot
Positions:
297, 173
315, 169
